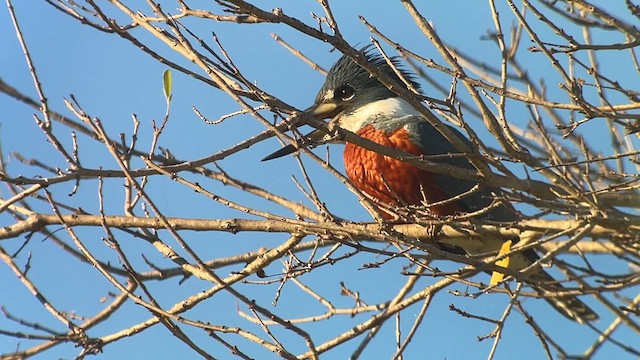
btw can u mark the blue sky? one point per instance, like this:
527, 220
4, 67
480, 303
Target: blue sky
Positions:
113, 80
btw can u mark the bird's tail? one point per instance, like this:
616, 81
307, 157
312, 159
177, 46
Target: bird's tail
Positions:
569, 305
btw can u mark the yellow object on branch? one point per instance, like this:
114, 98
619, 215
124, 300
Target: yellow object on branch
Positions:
496, 277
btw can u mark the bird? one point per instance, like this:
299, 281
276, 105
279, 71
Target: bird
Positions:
359, 102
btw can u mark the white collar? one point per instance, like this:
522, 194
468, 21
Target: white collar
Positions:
395, 107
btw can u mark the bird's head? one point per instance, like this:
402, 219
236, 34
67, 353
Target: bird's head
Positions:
349, 86
348, 89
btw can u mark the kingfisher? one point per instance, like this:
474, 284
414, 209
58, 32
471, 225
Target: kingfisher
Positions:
358, 102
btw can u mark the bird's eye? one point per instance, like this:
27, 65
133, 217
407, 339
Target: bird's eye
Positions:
345, 92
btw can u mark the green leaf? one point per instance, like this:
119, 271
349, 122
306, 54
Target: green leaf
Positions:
168, 83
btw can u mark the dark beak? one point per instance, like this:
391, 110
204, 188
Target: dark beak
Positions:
318, 111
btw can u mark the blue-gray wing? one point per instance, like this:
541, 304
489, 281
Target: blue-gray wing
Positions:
434, 143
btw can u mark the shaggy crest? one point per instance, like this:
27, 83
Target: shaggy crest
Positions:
346, 71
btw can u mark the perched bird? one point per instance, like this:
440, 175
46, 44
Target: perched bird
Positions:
360, 103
